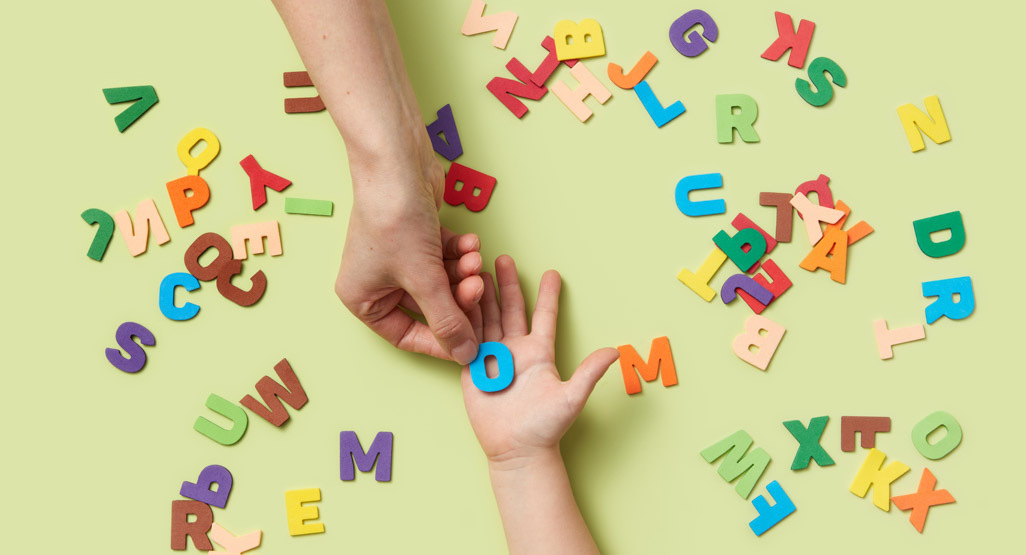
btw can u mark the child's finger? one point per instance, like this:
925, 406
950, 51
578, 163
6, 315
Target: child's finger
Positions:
543, 322
469, 264
514, 314
587, 375
477, 323
490, 310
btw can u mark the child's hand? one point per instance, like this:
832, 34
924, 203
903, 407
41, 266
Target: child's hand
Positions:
528, 418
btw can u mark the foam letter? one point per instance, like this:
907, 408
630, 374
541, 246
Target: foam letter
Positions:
743, 222
733, 247
699, 282
146, 215
166, 298
185, 204
197, 529
886, 339
297, 513
638, 72
579, 40
746, 284
506, 90
549, 64
933, 125
785, 213
820, 186
104, 232
450, 147
770, 516
260, 180
234, 413
692, 45
789, 39
752, 337
835, 241
574, 99
193, 165
814, 215
273, 393
660, 361
872, 474
233, 545
824, 90
695, 183
744, 120
857, 231
475, 190
780, 284
136, 358
144, 97
660, 116
201, 491
256, 234
921, 432
809, 448
504, 360
476, 22
737, 461
952, 221
945, 305
380, 453
867, 426
921, 501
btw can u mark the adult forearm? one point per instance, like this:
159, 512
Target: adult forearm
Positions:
537, 506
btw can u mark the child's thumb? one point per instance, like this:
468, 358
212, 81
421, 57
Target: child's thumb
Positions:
588, 374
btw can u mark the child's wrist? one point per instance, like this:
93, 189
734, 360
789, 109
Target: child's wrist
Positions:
525, 459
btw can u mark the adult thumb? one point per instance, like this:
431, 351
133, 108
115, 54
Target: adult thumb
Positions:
448, 323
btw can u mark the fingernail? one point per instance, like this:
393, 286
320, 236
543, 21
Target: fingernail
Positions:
465, 353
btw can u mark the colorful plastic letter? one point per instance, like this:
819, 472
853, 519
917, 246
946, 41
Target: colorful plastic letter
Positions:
933, 125
507, 90
699, 282
475, 188
638, 72
201, 245
952, 221
872, 474
273, 393
867, 426
696, 183
260, 180
921, 432
256, 233
379, 455
737, 461
145, 97
297, 514
181, 528
769, 516
579, 40
660, 362
836, 242
733, 247
303, 105
744, 222
921, 501
789, 39
660, 116
503, 358
574, 99
752, 337
309, 207
746, 284
744, 120
236, 295
477, 22
104, 232
691, 44
166, 298
234, 413
136, 358
814, 215
185, 204
886, 339
780, 284
201, 490
549, 64
945, 305
193, 164
137, 237
785, 213
857, 231
809, 448
450, 146
233, 545
824, 90
820, 186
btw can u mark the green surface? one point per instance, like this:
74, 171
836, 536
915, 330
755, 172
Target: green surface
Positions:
95, 456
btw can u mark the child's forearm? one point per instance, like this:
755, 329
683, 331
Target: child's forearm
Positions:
537, 506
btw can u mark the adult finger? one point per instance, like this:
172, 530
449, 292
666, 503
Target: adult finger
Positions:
490, 310
546, 310
407, 334
469, 264
514, 313
430, 289
581, 384
455, 245
468, 292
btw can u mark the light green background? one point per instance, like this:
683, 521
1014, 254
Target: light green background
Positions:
94, 456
